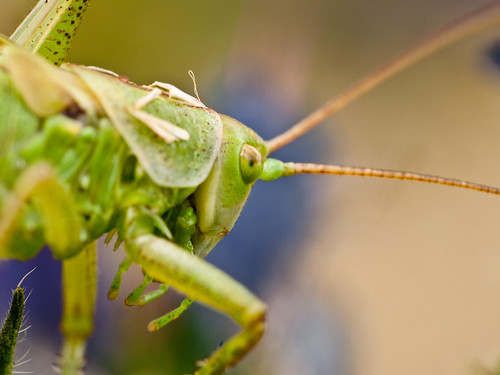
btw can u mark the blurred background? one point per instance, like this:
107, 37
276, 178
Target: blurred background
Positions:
361, 276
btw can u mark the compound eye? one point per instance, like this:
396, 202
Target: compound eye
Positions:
251, 164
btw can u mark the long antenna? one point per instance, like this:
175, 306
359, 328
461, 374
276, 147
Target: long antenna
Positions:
308, 168
470, 22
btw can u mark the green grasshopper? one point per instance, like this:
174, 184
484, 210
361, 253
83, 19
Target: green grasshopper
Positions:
85, 152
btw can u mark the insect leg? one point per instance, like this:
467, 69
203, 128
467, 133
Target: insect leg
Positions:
50, 27
53, 204
79, 292
162, 321
172, 265
132, 298
136, 297
114, 289
151, 296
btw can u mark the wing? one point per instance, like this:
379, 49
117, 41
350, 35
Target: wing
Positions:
170, 163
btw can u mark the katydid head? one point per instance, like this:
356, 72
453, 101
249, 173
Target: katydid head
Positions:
221, 197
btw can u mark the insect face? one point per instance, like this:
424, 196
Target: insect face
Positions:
221, 197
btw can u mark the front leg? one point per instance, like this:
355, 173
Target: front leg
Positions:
170, 264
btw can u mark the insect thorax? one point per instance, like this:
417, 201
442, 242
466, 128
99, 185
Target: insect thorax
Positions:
105, 182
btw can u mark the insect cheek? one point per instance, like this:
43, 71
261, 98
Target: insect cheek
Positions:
251, 163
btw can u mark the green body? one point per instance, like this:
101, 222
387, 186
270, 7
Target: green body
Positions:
109, 164
77, 161
84, 152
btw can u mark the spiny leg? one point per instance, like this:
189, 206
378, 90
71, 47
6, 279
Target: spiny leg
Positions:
79, 292
50, 27
171, 264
